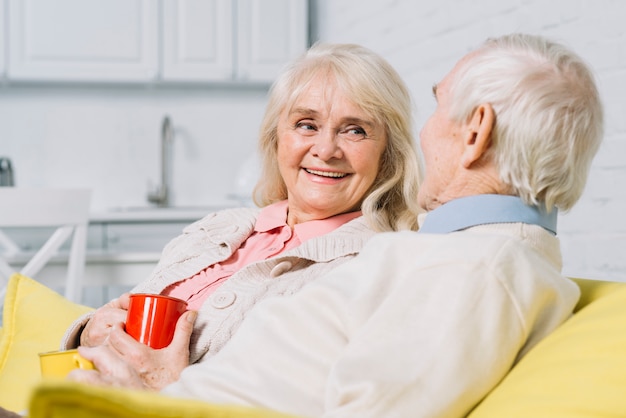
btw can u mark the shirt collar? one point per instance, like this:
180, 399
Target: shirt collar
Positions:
484, 209
272, 216
275, 215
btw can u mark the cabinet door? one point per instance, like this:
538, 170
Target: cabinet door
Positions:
2, 39
83, 40
197, 40
140, 238
270, 34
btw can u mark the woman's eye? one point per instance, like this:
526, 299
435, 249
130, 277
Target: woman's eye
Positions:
354, 133
357, 131
307, 126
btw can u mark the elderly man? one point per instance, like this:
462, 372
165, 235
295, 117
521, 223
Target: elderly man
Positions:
425, 324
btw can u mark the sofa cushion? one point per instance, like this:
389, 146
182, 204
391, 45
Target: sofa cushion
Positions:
35, 318
70, 399
591, 290
578, 371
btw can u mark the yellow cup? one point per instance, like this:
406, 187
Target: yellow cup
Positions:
60, 363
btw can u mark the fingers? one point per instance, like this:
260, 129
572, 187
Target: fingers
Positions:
111, 369
126, 345
101, 357
123, 301
120, 302
91, 377
182, 334
138, 355
97, 329
123, 361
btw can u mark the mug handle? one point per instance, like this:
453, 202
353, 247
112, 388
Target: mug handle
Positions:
82, 363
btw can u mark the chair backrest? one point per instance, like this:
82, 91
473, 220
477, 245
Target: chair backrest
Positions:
66, 211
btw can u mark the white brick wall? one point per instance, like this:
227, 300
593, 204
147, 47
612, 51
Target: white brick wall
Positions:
423, 40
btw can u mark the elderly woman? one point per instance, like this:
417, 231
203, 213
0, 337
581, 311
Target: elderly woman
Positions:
339, 165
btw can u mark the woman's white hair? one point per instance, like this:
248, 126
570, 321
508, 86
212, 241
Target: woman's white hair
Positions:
549, 117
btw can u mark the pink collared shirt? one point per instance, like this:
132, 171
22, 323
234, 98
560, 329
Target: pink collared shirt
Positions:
271, 236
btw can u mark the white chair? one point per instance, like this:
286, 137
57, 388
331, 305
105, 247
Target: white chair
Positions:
66, 211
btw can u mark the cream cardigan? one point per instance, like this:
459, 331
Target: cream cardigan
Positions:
215, 238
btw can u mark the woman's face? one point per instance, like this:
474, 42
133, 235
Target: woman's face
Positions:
329, 153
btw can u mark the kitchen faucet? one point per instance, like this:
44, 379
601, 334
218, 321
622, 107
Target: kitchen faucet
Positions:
6, 172
160, 195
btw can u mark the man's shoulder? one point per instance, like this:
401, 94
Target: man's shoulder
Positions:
471, 244
469, 235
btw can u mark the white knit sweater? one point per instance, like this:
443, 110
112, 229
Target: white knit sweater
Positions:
418, 325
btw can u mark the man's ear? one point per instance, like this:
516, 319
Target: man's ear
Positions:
478, 138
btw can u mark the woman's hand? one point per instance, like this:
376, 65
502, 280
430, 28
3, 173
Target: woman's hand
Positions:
122, 361
111, 369
99, 326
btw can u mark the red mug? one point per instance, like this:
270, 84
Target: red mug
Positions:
151, 319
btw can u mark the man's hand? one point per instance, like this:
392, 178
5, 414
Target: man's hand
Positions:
99, 326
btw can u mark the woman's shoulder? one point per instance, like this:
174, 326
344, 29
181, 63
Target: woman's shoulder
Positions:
356, 226
231, 216
353, 233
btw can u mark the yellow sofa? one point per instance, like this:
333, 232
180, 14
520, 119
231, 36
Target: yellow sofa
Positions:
579, 371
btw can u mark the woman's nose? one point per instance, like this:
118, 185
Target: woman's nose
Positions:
327, 146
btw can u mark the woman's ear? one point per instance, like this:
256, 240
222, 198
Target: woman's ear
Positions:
478, 139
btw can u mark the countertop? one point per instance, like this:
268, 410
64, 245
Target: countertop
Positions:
147, 214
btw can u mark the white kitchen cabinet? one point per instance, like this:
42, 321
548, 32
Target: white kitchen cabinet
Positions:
2, 39
197, 40
270, 33
83, 40
231, 40
152, 41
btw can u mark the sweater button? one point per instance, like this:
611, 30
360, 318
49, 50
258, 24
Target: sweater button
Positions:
281, 268
223, 299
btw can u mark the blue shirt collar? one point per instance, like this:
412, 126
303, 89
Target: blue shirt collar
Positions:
483, 209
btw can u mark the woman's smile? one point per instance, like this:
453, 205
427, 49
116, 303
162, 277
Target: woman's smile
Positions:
324, 173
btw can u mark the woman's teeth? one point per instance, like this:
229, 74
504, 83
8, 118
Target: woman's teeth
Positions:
326, 173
